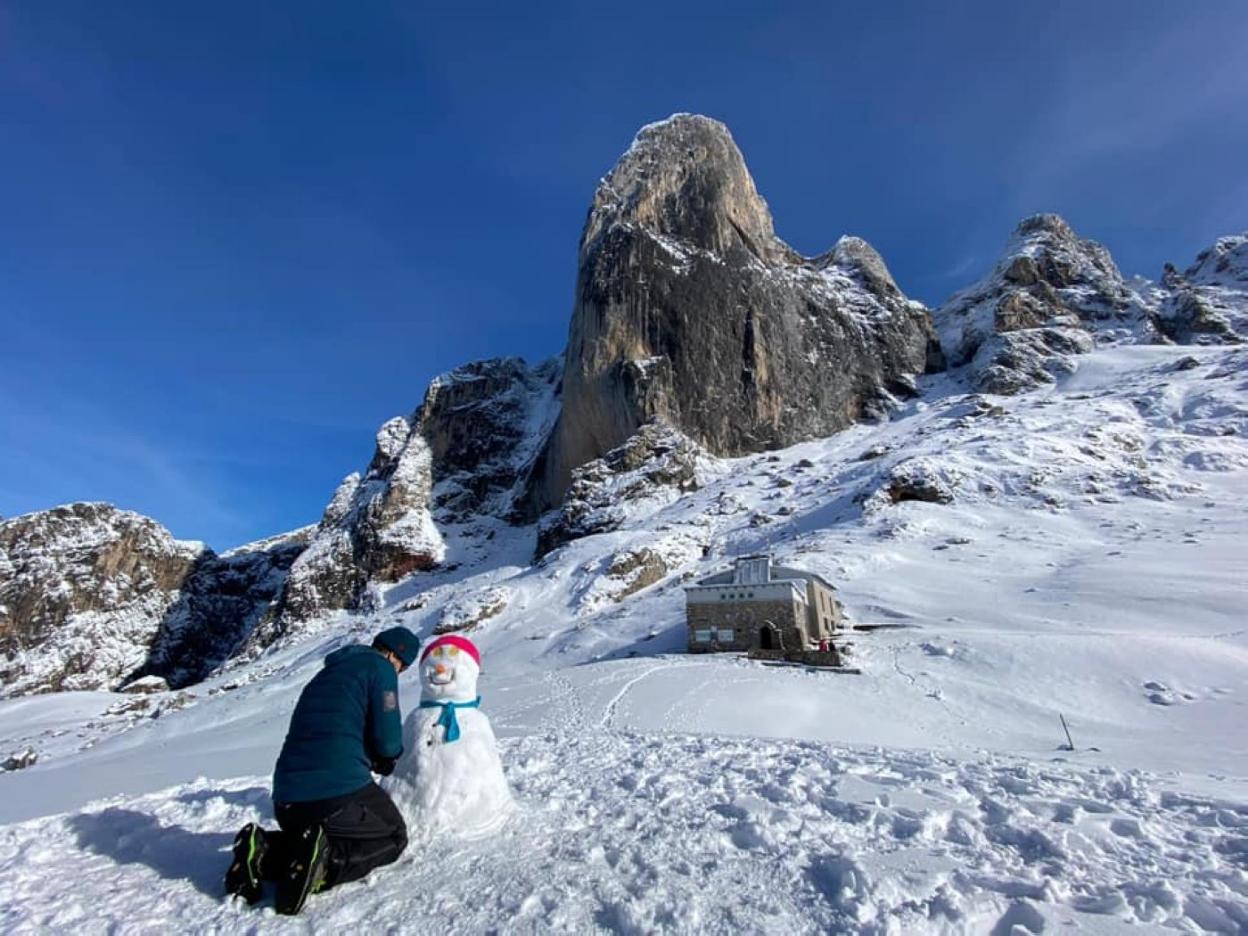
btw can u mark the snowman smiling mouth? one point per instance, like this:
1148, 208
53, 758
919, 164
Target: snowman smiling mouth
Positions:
441, 676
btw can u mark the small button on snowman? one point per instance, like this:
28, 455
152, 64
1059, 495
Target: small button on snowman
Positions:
450, 777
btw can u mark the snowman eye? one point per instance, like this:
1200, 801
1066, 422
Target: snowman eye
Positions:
454, 651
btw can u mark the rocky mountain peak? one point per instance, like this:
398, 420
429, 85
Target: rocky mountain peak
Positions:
92, 596
1224, 264
1044, 300
1208, 302
1048, 224
1053, 294
462, 456
860, 260
685, 178
1045, 249
690, 311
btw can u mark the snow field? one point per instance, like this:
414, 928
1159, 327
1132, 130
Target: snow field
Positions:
637, 833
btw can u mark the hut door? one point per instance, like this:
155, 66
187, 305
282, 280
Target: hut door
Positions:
767, 638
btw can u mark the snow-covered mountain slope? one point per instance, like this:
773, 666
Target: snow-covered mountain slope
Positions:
636, 832
1076, 550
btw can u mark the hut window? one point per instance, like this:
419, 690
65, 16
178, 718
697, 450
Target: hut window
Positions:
727, 635
703, 635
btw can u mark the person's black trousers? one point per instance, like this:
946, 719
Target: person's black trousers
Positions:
364, 829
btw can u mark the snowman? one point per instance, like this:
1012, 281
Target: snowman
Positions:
450, 777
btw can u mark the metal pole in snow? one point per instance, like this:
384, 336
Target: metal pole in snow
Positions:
1070, 745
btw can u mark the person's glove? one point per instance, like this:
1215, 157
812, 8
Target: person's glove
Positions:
383, 765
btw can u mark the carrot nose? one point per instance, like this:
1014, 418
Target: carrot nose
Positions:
440, 669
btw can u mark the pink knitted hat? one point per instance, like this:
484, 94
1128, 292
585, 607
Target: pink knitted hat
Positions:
454, 640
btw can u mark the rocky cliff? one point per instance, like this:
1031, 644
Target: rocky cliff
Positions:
464, 453
92, 596
484, 423
690, 310
226, 605
378, 526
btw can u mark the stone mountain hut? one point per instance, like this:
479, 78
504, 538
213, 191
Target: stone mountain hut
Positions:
761, 608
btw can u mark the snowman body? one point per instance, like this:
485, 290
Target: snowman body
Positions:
450, 777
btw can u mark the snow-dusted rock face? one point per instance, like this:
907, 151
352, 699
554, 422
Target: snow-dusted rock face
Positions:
1208, 303
1224, 265
83, 590
690, 309
465, 452
1054, 295
92, 596
222, 604
469, 611
376, 527
656, 463
484, 423
1049, 293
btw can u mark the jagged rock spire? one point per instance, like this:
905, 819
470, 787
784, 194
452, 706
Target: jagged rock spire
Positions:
690, 310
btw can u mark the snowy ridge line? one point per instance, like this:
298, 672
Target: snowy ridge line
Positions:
690, 834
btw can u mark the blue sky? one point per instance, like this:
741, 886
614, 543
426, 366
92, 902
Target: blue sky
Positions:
239, 236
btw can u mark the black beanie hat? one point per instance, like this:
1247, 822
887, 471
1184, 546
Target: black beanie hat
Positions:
401, 642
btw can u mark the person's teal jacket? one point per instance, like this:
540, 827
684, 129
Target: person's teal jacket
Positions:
345, 722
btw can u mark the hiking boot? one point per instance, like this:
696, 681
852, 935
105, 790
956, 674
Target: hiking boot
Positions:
306, 872
243, 878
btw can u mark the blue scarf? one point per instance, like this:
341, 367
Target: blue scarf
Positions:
447, 719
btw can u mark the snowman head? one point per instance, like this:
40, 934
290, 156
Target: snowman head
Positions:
448, 670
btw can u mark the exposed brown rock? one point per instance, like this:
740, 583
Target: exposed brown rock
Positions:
690, 310
638, 568
83, 589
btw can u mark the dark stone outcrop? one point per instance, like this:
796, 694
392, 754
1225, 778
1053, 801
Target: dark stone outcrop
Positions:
484, 423
691, 310
221, 604
637, 568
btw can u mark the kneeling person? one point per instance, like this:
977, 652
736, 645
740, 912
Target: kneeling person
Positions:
336, 823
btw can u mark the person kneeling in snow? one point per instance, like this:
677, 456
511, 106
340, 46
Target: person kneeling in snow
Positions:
336, 823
